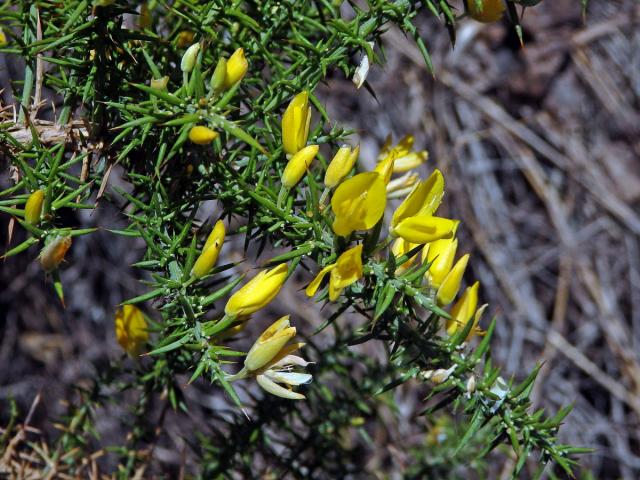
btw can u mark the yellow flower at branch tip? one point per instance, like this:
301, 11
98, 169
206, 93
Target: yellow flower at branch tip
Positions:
209, 256
402, 186
423, 200
451, 283
399, 248
340, 166
385, 169
189, 58
237, 67
257, 292
33, 207
298, 165
159, 83
269, 344
346, 271
423, 229
201, 135
131, 329
489, 11
410, 161
53, 254
464, 309
440, 254
358, 203
402, 148
295, 123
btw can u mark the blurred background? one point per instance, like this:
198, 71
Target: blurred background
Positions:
540, 148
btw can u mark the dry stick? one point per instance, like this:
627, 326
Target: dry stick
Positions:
39, 72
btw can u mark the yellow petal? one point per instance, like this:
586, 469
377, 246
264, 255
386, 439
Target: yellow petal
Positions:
237, 67
348, 268
424, 229
33, 207
489, 11
341, 165
315, 283
295, 123
441, 255
451, 284
269, 344
216, 236
131, 329
464, 309
358, 203
201, 135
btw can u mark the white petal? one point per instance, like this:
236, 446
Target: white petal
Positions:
276, 389
290, 378
291, 360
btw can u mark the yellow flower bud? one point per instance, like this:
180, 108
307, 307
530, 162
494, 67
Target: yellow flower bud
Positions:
53, 254
159, 83
131, 329
424, 229
201, 135
341, 165
189, 58
209, 256
424, 199
440, 254
489, 11
298, 165
33, 207
219, 75
451, 284
464, 309
269, 344
346, 271
295, 123
257, 292
217, 235
237, 67
3, 38
358, 203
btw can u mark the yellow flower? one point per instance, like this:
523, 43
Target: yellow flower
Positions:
424, 229
346, 271
209, 256
399, 248
257, 292
3, 38
440, 254
33, 207
451, 283
298, 165
269, 344
270, 361
341, 165
423, 200
402, 148
53, 254
189, 58
464, 309
295, 123
490, 10
404, 158
236, 68
358, 203
131, 329
201, 135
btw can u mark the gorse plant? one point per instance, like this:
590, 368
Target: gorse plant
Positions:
194, 101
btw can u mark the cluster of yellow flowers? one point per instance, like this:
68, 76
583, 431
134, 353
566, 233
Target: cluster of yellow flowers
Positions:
358, 203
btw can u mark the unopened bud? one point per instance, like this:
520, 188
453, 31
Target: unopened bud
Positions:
471, 384
189, 58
